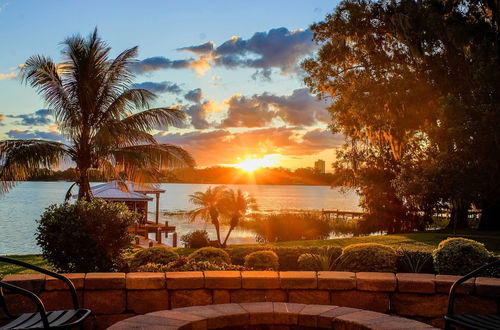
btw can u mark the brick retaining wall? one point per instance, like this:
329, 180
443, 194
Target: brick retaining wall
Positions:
115, 296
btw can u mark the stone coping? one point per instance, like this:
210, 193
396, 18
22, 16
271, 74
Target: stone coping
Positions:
113, 297
267, 313
323, 280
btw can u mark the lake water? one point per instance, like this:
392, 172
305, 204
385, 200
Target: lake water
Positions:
23, 205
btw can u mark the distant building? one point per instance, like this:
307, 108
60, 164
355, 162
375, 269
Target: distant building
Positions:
319, 166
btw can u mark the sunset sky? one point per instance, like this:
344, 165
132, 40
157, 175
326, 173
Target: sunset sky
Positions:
231, 65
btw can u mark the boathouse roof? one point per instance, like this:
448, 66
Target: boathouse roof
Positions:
114, 191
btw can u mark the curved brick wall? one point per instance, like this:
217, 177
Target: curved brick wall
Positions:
115, 296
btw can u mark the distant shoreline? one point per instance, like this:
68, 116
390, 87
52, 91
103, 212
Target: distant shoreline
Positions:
216, 183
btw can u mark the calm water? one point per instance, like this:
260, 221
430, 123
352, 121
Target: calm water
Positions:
23, 205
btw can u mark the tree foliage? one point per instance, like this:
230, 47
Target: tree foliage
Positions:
85, 236
95, 107
413, 86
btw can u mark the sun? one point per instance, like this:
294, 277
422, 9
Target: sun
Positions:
251, 164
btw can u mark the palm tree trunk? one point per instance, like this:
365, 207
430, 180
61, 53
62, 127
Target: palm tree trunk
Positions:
217, 230
227, 237
84, 186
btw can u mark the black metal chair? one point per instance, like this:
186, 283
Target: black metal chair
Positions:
62, 319
470, 321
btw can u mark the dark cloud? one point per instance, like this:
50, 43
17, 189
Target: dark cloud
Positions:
275, 49
30, 134
199, 113
38, 118
264, 75
278, 48
205, 48
159, 62
298, 109
320, 139
224, 147
194, 95
159, 87
247, 112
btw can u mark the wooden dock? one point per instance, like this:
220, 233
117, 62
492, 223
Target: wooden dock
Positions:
142, 232
344, 215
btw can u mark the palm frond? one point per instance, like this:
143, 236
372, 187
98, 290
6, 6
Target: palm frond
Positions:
42, 73
21, 158
157, 118
143, 162
118, 77
115, 134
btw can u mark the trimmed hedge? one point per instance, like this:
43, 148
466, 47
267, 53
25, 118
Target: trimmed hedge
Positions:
262, 260
154, 255
288, 256
367, 257
211, 254
459, 256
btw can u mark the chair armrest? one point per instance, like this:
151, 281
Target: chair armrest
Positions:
66, 280
451, 299
30, 295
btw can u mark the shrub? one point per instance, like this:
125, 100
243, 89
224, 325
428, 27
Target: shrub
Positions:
184, 264
323, 260
239, 253
85, 236
262, 260
196, 239
156, 255
414, 261
280, 227
211, 254
459, 256
367, 257
288, 256
308, 261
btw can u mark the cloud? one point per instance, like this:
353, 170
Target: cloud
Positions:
200, 112
205, 48
224, 147
15, 73
319, 139
11, 75
35, 134
247, 112
38, 118
298, 109
159, 62
159, 87
278, 48
194, 95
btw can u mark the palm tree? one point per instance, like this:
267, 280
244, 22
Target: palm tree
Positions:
208, 205
235, 205
93, 101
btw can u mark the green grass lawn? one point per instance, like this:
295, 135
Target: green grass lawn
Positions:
34, 259
426, 241
415, 241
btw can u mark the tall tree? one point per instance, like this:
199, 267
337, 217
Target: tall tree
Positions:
94, 105
208, 206
418, 78
377, 102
